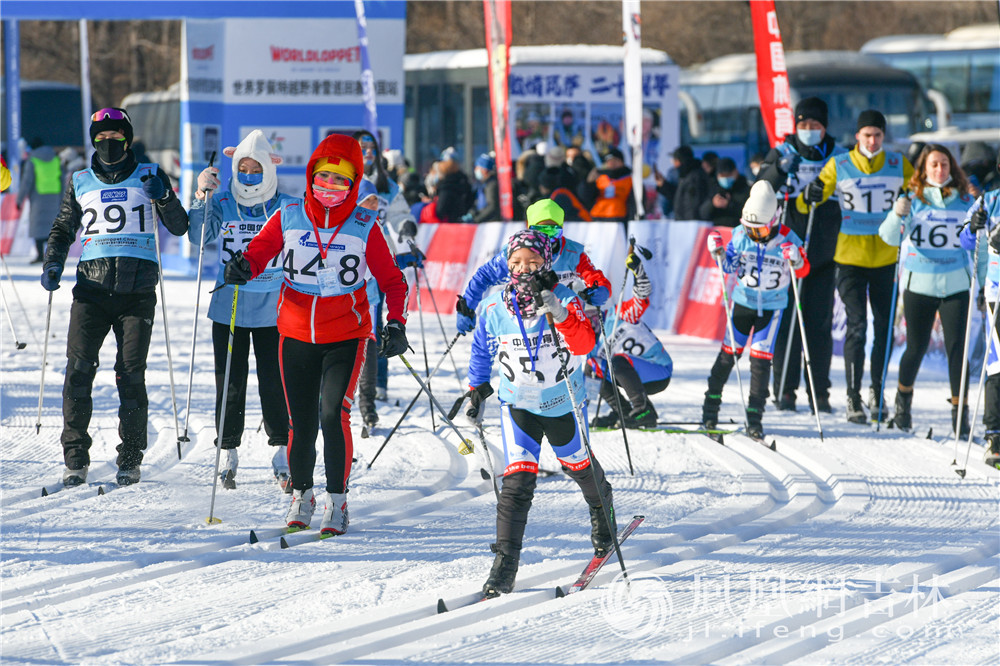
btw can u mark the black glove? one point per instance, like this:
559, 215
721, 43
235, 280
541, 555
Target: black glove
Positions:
978, 220
237, 270
407, 231
153, 187
51, 274
476, 397
393, 340
813, 192
789, 163
543, 280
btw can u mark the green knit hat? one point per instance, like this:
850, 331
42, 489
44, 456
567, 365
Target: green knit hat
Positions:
545, 212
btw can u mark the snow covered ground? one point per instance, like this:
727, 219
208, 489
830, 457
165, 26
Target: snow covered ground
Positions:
859, 548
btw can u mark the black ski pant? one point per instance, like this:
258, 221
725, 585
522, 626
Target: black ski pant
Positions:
627, 377
816, 297
272, 396
920, 311
319, 381
367, 381
518, 488
858, 287
991, 414
92, 315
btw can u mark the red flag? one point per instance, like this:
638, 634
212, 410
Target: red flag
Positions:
699, 311
772, 76
498, 32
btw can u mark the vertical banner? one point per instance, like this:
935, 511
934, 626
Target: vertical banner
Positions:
367, 77
632, 40
12, 91
85, 96
772, 75
498, 37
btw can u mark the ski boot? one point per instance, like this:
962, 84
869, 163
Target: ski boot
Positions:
902, 419
301, 511
600, 536
370, 418
230, 461
504, 571
755, 424
710, 411
992, 457
964, 427
786, 403
609, 420
128, 476
875, 399
279, 463
822, 403
643, 416
855, 409
335, 518
75, 477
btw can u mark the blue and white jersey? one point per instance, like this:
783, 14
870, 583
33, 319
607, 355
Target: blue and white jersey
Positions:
635, 340
118, 219
991, 202
763, 274
531, 376
934, 232
807, 171
865, 198
301, 259
235, 226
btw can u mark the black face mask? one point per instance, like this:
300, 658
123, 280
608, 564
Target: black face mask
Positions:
110, 151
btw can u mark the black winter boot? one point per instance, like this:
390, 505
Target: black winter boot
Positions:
504, 571
710, 410
902, 419
609, 420
643, 416
875, 400
964, 428
600, 535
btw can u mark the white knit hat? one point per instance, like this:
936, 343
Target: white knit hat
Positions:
759, 210
256, 147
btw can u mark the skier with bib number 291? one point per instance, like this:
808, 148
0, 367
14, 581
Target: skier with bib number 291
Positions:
327, 244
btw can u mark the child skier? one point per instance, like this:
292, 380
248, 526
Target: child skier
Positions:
759, 254
534, 402
641, 365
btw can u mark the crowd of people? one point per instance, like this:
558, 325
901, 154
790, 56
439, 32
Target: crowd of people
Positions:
319, 285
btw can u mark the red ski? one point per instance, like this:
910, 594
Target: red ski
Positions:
594, 566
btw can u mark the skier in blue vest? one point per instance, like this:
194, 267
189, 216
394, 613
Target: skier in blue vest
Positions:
120, 203
234, 218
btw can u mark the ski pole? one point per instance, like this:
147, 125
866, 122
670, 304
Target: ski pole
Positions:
466, 447
423, 341
614, 322
197, 303
45, 352
444, 334
892, 324
412, 402
992, 338
486, 451
795, 313
17, 296
163, 308
222, 412
805, 349
10, 320
614, 387
584, 437
732, 340
962, 387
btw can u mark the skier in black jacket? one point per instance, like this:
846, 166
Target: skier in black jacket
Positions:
117, 201
802, 155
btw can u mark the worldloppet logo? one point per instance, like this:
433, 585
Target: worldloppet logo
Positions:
637, 608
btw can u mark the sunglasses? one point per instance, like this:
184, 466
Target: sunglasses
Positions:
550, 230
109, 114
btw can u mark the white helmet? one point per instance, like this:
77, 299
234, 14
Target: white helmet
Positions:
759, 211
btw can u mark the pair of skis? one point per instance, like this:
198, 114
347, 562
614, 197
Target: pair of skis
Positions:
585, 578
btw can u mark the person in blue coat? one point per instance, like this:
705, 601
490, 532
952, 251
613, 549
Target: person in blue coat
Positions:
234, 218
759, 254
936, 276
983, 227
538, 368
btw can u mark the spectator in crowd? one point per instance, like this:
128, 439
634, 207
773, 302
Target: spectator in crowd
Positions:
578, 161
726, 196
487, 190
528, 169
396, 164
549, 186
710, 163
42, 186
568, 132
555, 159
755, 162
454, 192
610, 189
691, 187
977, 161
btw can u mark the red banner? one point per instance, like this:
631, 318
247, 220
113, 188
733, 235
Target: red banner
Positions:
445, 267
699, 311
772, 76
9, 217
498, 35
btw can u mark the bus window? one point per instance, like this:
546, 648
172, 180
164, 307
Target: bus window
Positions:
950, 74
482, 127
984, 83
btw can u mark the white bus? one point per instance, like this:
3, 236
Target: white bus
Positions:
156, 121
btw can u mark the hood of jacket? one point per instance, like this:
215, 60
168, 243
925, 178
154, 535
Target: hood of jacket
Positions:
344, 147
258, 148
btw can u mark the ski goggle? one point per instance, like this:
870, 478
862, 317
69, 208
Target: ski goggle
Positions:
550, 230
109, 114
758, 234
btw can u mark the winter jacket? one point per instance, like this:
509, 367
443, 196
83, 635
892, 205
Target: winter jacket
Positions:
935, 263
730, 215
822, 238
489, 191
991, 280
890, 170
612, 195
41, 184
689, 191
572, 208
352, 242
454, 197
112, 274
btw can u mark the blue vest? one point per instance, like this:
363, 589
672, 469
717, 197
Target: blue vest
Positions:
807, 171
345, 245
865, 198
531, 369
763, 274
934, 243
635, 340
118, 219
237, 230
992, 202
